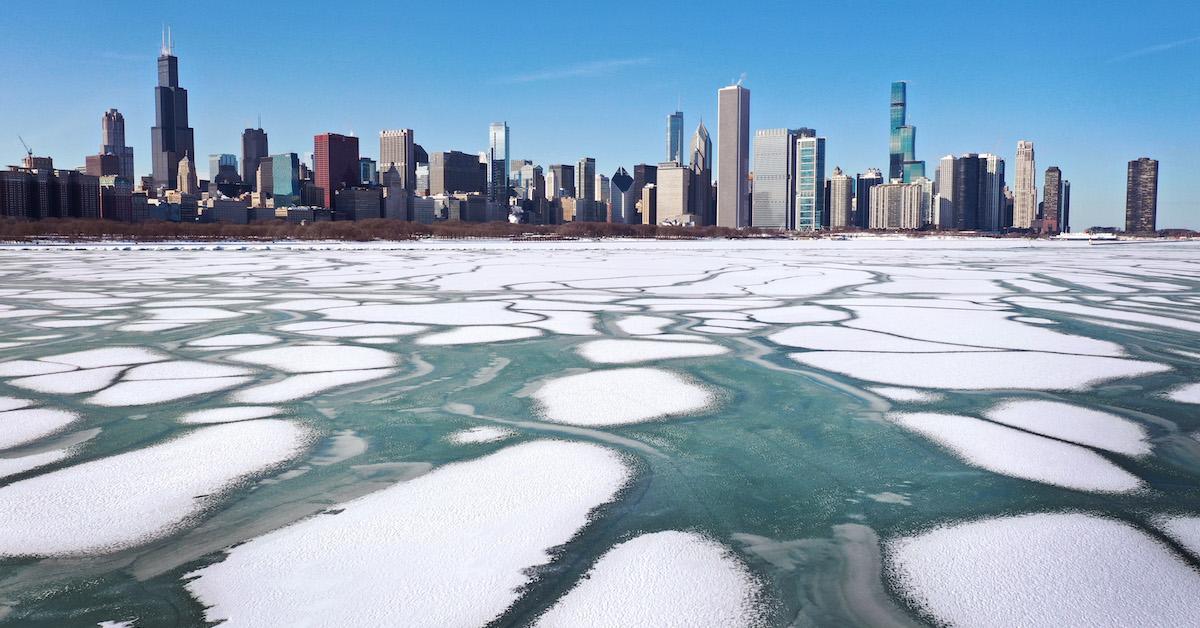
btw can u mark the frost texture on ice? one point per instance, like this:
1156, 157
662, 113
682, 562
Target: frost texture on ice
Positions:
1073, 423
449, 548
1018, 454
665, 579
1189, 393
124, 500
620, 351
1053, 570
477, 335
18, 427
315, 358
990, 370
230, 414
619, 396
306, 385
481, 434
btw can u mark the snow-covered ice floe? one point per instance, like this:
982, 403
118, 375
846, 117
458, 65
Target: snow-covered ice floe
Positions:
988, 370
317, 358
450, 548
478, 334
1073, 423
481, 434
1189, 393
1053, 570
230, 414
911, 395
131, 498
619, 396
234, 340
18, 427
641, 325
1019, 454
305, 385
1184, 530
665, 579
620, 351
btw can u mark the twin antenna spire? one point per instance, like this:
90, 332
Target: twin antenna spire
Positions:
168, 42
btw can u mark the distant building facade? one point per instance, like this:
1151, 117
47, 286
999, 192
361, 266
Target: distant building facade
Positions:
733, 146
335, 164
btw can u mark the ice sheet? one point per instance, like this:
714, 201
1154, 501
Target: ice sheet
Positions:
1018, 454
620, 351
1073, 423
128, 499
449, 548
315, 358
18, 427
665, 579
478, 334
1052, 570
619, 396
306, 385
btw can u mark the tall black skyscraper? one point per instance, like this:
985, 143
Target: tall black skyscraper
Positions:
171, 137
1141, 196
254, 149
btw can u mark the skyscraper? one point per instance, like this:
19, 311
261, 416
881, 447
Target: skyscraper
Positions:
254, 148
498, 161
171, 138
1141, 196
624, 203
1052, 199
810, 181
841, 200
774, 178
1025, 196
1066, 207
112, 140
560, 182
701, 197
733, 157
675, 137
396, 148
672, 191
585, 179
942, 212
902, 161
335, 163
223, 163
991, 209
285, 179
862, 196
186, 176
643, 175
452, 171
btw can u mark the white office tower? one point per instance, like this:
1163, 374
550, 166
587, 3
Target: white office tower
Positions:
774, 184
1025, 190
841, 200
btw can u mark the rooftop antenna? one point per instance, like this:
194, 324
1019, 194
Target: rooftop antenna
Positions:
260, 121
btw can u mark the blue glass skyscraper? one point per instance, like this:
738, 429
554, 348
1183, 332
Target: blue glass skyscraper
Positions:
902, 162
675, 137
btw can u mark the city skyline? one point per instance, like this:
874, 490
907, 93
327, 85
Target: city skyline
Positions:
942, 98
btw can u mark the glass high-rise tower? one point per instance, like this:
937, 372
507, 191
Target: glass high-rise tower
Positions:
675, 137
902, 160
171, 137
810, 181
498, 162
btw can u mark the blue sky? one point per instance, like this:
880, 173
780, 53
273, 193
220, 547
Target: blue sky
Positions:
1093, 84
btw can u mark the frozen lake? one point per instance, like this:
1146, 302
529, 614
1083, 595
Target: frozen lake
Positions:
707, 433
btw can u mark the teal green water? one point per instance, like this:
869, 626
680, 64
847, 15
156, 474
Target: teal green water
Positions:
788, 454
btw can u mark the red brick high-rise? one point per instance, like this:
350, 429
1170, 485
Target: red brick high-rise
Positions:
335, 163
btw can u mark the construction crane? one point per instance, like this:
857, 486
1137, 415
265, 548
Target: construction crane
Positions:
28, 150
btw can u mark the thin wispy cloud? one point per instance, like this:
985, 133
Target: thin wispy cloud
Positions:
1149, 50
578, 70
